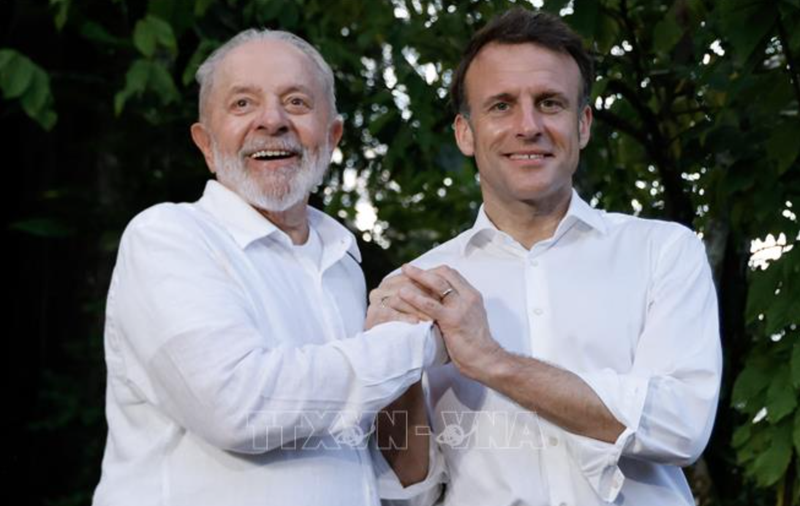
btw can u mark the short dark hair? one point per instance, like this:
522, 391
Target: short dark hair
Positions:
521, 26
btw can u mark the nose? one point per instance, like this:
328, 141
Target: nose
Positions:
272, 119
529, 121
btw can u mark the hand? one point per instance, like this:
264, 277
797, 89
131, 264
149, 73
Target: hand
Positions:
386, 306
458, 309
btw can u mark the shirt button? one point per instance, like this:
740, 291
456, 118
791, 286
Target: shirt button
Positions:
538, 311
553, 441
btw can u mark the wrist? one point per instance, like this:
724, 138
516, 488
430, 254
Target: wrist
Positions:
488, 364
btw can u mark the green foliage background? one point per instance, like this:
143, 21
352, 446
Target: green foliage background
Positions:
696, 121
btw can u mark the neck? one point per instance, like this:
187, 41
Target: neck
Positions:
529, 222
293, 221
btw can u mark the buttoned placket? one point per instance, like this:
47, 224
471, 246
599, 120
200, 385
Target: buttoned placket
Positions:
534, 261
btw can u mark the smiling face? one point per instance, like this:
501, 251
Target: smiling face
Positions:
268, 130
526, 124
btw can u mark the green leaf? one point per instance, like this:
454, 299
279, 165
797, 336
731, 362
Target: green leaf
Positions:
99, 35
667, 33
751, 382
62, 9
201, 6
151, 32
135, 84
145, 75
795, 364
770, 465
742, 434
161, 82
47, 119
747, 23
761, 292
797, 431
783, 146
16, 75
21, 78
201, 53
781, 397
35, 98
6, 55
584, 18
144, 38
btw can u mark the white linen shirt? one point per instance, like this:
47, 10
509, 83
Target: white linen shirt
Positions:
233, 374
628, 305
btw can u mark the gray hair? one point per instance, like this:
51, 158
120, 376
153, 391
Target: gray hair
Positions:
206, 71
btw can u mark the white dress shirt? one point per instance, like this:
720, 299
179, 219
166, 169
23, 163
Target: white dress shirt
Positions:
628, 305
238, 372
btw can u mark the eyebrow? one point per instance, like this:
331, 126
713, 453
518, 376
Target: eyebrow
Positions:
553, 94
248, 89
237, 90
505, 97
542, 95
301, 88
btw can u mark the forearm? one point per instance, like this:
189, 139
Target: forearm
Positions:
403, 436
556, 394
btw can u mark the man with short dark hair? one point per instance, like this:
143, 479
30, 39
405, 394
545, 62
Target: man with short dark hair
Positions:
585, 350
238, 373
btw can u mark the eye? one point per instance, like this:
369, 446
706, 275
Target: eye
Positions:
551, 105
501, 106
298, 103
241, 103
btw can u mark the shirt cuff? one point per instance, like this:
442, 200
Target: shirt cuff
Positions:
424, 493
435, 349
624, 396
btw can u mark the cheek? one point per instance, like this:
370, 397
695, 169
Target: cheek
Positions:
489, 137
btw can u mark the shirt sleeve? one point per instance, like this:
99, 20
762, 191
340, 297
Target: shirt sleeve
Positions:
667, 401
191, 326
427, 491
424, 493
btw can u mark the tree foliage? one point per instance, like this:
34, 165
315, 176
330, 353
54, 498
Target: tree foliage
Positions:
696, 120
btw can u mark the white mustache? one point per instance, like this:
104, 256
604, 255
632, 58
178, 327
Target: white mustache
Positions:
251, 146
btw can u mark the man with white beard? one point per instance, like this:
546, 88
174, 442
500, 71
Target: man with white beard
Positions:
238, 372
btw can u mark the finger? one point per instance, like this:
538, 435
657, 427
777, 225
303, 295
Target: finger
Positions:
394, 281
454, 278
390, 286
401, 306
436, 284
425, 304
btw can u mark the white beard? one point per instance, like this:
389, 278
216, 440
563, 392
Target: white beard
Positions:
273, 190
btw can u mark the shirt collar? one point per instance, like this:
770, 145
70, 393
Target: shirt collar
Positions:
246, 224
578, 211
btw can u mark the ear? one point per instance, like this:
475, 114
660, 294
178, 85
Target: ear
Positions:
202, 139
585, 126
464, 135
335, 132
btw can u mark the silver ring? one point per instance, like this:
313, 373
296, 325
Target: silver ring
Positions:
446, 293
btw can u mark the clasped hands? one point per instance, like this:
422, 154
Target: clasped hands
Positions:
443, 296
